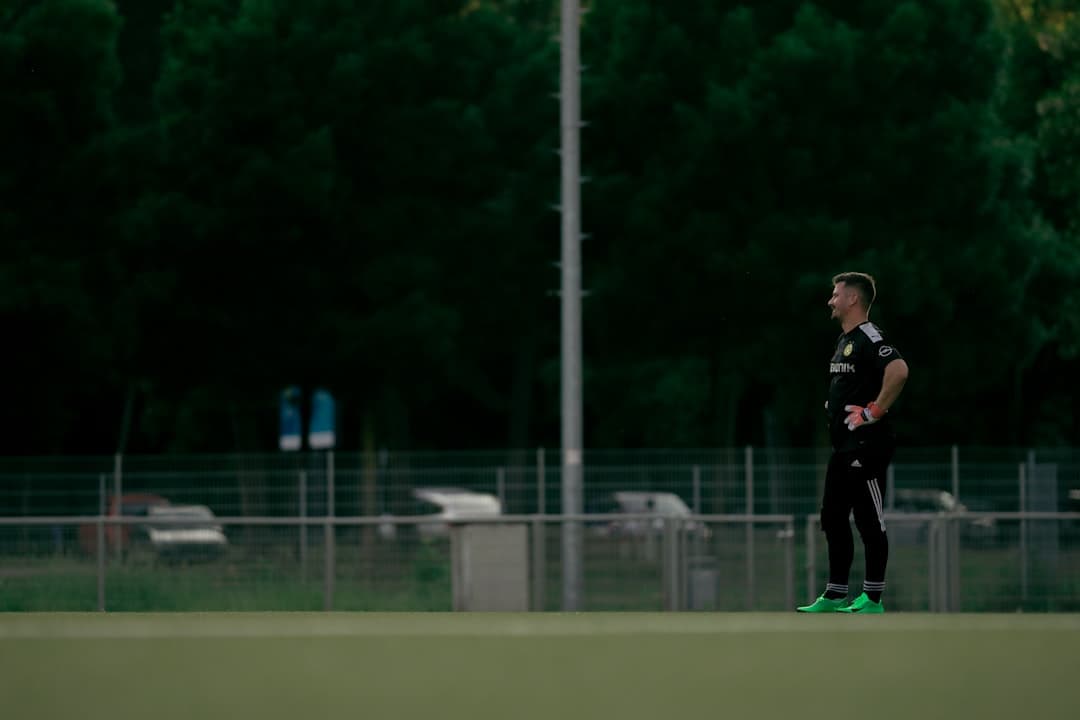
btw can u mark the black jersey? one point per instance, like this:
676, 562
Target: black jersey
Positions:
855, 373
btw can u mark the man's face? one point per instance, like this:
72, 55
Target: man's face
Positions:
842, 300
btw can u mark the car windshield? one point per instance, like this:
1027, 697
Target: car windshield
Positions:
453, 501
197, 518
659, 503
926, 500
671, 505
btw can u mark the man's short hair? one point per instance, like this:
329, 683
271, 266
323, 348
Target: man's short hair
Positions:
862, 282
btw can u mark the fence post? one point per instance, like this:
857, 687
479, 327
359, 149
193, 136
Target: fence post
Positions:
303, 492
956, 472
540, 536
954, 565
811, 557
671, 567
940, 571
101, 544
1023, 473
748, 466
118, 490
789, 565
539, 563
500, 487
328, 536
695, 480
890, 487
541, 492
934, 570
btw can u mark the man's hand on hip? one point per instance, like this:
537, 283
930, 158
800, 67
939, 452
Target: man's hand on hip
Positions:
859, 415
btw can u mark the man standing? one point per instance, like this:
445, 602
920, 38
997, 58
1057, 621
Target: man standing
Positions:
866, 376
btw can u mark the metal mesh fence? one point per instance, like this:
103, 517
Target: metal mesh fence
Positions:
733, 480
389, 551
976, 562
972, 562
635, 563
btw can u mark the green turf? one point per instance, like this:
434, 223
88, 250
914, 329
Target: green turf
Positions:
544, 666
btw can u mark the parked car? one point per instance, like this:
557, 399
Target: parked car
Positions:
121, 536
185, 532
920, 500
659, 505
189, 531
450, 504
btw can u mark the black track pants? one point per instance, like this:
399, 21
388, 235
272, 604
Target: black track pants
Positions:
855, 482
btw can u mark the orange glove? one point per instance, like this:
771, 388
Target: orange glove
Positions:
859, 415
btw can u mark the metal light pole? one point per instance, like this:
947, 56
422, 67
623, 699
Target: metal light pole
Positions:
572, 469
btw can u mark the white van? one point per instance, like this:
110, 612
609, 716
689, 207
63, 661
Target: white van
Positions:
447, 504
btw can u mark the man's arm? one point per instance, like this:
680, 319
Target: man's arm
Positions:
892, 383
896, 374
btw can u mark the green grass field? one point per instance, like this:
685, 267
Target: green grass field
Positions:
545, 666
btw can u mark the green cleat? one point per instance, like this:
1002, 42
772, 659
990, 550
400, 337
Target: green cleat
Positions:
863, 604
823, 605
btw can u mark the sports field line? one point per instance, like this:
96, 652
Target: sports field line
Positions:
287, 624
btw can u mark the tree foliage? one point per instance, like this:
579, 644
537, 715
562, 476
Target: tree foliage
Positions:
206, 200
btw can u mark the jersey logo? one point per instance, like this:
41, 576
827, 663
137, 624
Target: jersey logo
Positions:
848, 348
885, 351
871, 332
841, 367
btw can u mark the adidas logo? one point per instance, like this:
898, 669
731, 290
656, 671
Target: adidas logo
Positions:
856, 464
